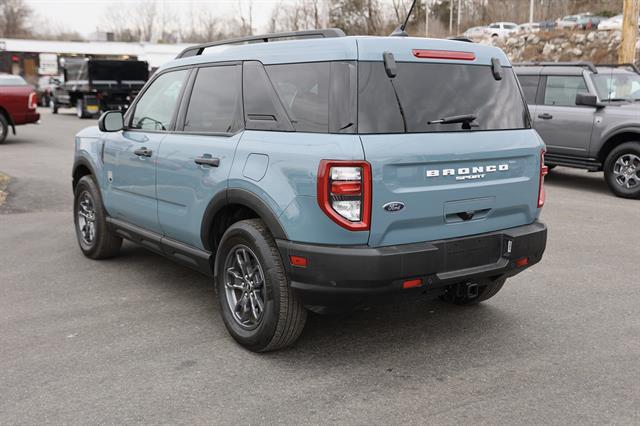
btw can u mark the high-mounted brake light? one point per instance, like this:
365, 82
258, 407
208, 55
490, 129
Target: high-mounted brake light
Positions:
32, 102
444, 54
544, 170
344, 193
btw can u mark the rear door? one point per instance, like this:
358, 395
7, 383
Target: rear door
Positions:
194, 162
452, 179
564, 126
130, 156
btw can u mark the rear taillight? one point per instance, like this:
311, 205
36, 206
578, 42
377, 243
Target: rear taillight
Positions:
32, 102
344, 193
544, 170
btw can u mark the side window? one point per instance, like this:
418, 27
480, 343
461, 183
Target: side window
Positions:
304, 92
529, 85
262, 108
562, 90
216, 103
156, 107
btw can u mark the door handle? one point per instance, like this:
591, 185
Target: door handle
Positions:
545, 116
143, 152
207, 160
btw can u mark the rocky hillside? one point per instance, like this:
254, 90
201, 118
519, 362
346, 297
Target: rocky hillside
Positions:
594, 46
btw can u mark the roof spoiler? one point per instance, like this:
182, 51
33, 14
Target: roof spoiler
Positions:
295, 35
582, 64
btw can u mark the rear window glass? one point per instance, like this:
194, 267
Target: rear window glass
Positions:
429, 92
12, 80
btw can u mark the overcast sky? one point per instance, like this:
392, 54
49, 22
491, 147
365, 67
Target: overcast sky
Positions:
85, 16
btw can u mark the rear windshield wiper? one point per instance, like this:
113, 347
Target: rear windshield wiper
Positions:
465, 119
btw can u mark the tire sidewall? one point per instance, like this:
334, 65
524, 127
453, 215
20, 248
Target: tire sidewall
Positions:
4, 128
86, 184
626, 148
241, 233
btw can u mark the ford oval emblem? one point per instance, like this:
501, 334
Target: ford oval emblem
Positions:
394, 206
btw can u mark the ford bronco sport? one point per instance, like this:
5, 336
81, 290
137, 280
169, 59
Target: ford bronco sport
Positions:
311, 170
589, 117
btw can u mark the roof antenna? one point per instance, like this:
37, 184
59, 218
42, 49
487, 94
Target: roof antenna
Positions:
400, 31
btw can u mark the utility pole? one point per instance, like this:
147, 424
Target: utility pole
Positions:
627, 51
426, 18
450, 17
531, 14
459, 10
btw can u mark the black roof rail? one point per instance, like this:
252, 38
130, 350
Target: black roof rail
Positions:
324, 33
633, 67
582, 64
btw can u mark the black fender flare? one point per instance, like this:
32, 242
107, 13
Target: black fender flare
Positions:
241, 197
612, 133
82, 161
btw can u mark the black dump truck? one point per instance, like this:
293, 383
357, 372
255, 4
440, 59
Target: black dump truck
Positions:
96, 85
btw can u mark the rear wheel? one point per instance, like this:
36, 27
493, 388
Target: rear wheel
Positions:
622, 170
92, 232
258, 307
53, 105
4, 128
463, 294
80, 111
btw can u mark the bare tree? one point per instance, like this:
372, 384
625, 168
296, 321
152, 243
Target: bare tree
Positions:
14, 18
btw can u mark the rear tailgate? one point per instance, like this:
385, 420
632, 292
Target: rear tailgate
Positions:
451, 184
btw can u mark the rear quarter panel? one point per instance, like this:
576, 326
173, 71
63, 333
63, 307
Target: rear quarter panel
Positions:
14, 100
289, 184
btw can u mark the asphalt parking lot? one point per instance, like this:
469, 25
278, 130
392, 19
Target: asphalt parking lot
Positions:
138, 339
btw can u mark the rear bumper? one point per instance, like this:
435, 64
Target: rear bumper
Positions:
336, 275
26, 118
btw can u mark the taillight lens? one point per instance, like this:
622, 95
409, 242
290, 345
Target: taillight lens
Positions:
544, 170
32, 102
344, 192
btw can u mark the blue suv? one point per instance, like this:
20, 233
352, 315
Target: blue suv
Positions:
314, 171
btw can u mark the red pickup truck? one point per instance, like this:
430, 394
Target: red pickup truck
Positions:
17, 104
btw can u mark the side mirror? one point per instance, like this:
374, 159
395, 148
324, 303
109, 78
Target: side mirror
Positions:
587, 99
111, 121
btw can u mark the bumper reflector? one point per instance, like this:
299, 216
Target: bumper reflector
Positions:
298, 261
412, 283
523, 261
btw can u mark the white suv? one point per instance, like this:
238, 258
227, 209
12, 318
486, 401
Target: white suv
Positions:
502, 29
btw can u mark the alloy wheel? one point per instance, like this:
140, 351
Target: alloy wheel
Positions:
87, 218
244, 287
626, 171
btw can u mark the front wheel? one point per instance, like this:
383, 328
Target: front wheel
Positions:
94, 237
53, 105
460, 294
258, 307
80, 109
622, 170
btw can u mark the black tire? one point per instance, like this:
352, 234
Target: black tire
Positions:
551, 166
625, 185
80, 110
104, 244
487, 288
4, 128
53, 105
283, 317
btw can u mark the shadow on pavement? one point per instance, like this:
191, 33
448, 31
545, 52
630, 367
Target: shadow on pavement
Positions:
578, 179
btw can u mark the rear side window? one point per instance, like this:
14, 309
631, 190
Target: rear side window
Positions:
215, 105
529, 85
156, 108
562, 90
262, 108
427, 92
304, 91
